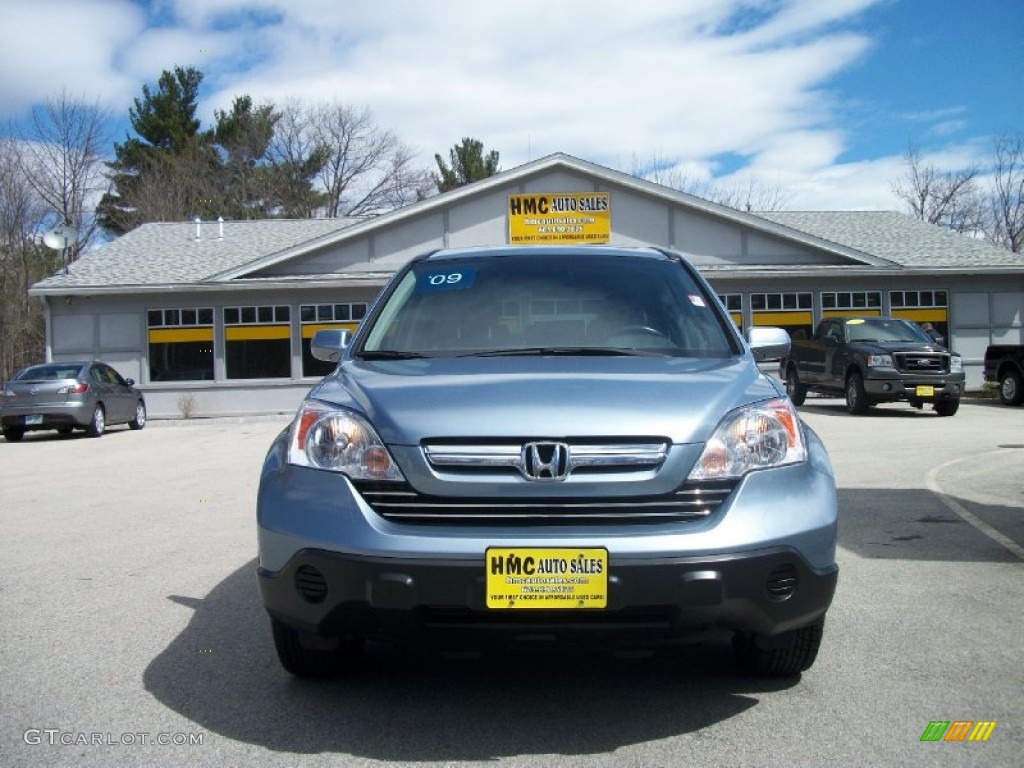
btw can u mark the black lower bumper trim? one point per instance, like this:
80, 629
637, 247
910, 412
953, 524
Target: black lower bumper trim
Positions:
665, 597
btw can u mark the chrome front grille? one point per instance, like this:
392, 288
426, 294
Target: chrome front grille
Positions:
922, 362
399, 502
520, 456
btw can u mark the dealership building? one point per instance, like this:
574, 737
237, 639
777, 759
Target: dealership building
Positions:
216, 317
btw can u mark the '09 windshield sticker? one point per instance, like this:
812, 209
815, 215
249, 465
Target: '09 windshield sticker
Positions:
458, 279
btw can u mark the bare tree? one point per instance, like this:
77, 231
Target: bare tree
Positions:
950, 199
61, 159
1007, 196
296, 159
170, 186
752, 195
367, 170
23, 261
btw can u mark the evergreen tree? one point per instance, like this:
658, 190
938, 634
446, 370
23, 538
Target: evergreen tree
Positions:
168, 172
244, 135
468, 164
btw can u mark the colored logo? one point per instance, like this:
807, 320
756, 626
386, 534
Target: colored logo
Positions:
958, 730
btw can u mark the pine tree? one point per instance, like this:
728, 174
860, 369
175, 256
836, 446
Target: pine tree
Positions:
468, 164
168, 171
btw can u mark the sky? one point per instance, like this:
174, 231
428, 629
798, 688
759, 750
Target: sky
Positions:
818, 99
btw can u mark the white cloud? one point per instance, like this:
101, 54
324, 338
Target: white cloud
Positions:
688, 81
47, 45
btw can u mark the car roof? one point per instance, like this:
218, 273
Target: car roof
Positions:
531, 251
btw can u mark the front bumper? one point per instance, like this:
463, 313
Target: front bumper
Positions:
330, 594
915, 389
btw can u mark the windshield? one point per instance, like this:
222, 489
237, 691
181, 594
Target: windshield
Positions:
877, 329
548, 304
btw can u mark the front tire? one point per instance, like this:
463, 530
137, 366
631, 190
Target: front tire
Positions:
784, 656
856, 398
140, 416
797, 392
98, 424
1011, 388
302, 661
947, 407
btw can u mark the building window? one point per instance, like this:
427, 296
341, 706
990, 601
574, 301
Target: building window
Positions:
733, 303
258, 342
838, 303
792, 311
923, 307
316, 317
180, 344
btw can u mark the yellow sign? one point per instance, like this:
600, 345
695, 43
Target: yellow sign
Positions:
546, 578
557, 217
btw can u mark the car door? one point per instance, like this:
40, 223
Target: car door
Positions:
837, 354
100, 386
121, 395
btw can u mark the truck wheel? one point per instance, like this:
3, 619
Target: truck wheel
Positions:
786, 655
947, 407
856, 398
797, 392
1011, 388
13, 434
313, 662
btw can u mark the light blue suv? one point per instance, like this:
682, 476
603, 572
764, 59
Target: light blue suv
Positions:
549, 441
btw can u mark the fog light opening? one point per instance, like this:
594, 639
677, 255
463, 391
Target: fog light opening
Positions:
782, 582
311, 584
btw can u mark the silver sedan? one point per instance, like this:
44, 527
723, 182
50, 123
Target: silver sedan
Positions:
88, 395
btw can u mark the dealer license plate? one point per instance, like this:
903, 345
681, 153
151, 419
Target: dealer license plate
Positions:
33, 421
521, 577
924, 391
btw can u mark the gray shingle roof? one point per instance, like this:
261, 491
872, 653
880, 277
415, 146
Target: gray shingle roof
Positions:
892, 235
168, 253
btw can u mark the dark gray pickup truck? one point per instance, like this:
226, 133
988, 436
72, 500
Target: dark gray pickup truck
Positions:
1004, 364
874, 360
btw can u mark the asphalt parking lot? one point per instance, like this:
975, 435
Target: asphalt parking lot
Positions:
129, 616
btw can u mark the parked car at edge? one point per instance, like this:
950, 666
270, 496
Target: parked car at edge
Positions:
87, 395
1004, 365
872, 360
547, 441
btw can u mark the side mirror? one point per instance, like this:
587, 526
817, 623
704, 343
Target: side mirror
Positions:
130, 382
768, 343
327, 345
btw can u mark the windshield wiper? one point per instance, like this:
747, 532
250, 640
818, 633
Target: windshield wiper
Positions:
566, 352
390, 354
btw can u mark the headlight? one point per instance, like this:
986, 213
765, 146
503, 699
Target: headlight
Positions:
328, 438
956, 364
880, 361
753, 437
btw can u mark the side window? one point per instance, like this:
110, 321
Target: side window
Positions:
96, 374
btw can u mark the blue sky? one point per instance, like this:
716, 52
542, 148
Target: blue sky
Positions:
817, 97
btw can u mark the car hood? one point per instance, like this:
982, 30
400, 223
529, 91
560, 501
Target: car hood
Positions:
888, 347
682, 399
